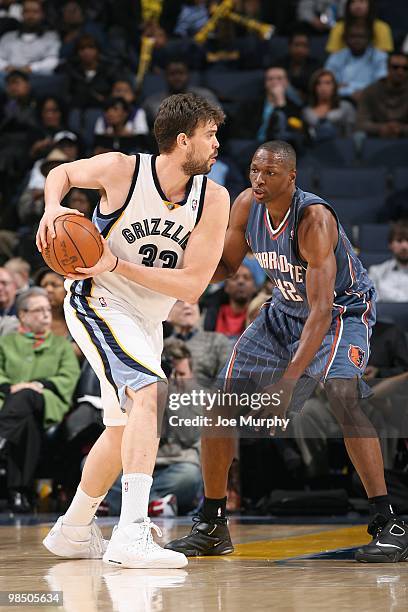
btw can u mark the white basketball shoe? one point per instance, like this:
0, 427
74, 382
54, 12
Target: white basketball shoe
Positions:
133, 546
71, 542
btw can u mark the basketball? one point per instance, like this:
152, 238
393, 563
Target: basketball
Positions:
77, 244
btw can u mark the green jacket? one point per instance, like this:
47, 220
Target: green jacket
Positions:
53, 363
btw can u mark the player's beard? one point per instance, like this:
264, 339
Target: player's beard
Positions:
193, 165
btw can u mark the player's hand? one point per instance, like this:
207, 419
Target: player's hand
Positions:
47, 223
105, 264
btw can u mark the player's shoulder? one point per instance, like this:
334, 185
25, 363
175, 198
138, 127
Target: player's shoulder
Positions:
115, 161
213, 189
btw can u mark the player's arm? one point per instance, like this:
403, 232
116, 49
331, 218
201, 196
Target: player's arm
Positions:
94, 173
201, 256
317, 238
235, 246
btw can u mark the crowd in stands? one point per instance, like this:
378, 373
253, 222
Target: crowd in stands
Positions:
329, 76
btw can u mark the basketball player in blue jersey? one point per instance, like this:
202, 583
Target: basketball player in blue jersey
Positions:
316, 327
158, 214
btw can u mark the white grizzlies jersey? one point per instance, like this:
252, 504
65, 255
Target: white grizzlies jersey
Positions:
147, 230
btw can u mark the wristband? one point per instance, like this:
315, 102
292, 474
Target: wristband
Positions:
115, 266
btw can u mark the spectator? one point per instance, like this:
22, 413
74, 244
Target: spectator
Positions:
137, 122
359, 64
229, 318
327, 116
275, 116
361, 12
383, 106
17, 124
90, 77
208, 349
319, 15
32, 48
391, 277
298, 63
51, 119
73, 25
114, 131
30, 205
227, 173
177, 81
20, 270
177, 475
67, 143
193, 16
8, 292
82, 200
36, 390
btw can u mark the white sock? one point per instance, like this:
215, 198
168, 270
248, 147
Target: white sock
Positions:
82, 509
135, 498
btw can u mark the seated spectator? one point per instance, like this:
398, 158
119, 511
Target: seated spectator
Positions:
36, 392
391, 277
122, 88
83, 200
73, 24
208, 349
8, 292
383, 106
31, 48
192, 17
361, 12
326, 116
319, 16
177, 479
30, 206
275, 117
90, 76
229, 318
51, 119
67, 143
20, 270
17, 123
114, 131
177, 81
298, 63
358, 65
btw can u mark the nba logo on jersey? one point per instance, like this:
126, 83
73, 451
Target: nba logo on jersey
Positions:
102, 302
126, 486
356, 355
194, 205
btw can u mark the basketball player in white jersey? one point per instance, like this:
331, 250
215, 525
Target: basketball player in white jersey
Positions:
164, 224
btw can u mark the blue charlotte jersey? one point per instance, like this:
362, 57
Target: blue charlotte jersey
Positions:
276, 250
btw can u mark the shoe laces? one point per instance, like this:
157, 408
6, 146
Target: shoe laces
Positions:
146, 539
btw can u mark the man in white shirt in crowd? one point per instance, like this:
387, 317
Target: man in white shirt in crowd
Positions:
391, 277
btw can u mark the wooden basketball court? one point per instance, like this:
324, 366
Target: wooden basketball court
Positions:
293, 567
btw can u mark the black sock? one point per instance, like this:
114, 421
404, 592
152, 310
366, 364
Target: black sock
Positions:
380, 505
213, 509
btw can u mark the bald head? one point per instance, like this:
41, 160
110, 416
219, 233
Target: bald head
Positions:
281, 150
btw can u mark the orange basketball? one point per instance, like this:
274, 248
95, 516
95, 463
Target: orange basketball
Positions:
77, 244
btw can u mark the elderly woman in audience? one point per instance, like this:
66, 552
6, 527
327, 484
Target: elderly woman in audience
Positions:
38, 374
326, 116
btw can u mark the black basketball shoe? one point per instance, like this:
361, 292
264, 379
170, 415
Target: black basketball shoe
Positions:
389, 543
206, 538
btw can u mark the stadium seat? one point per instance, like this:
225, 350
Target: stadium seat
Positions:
400, 178
372, 258
241, 150
373, 237
49, 85
353, 182
339, 152
318, 47
357, 210
277, 47
154, 83
395, 312
384, 152
305, 178
230, 85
